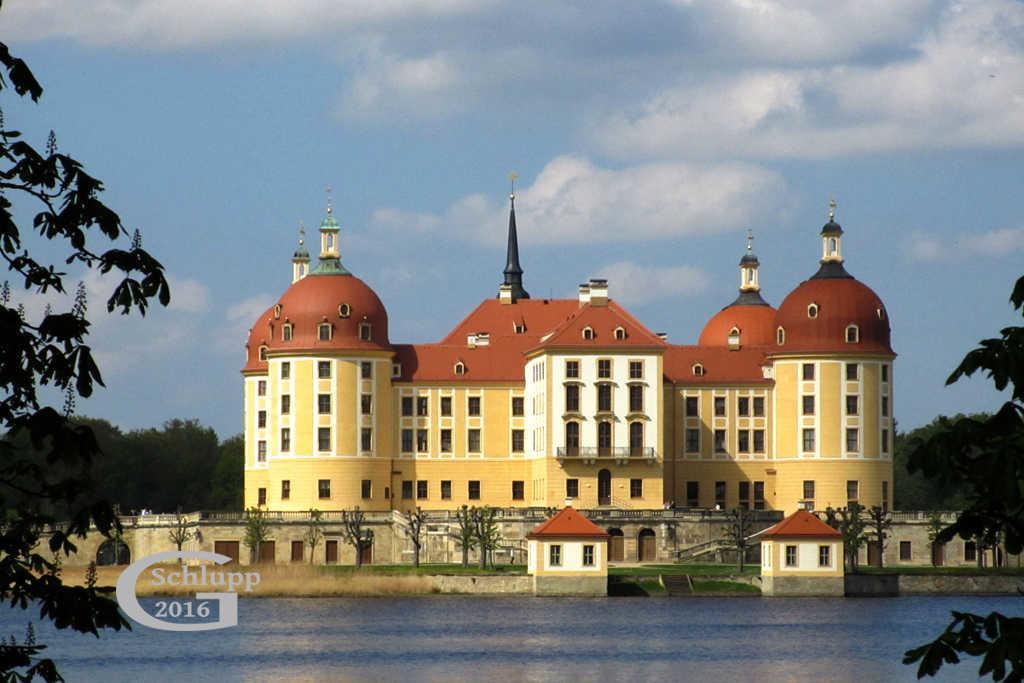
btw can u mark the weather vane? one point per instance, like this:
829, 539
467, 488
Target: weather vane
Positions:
512, 177
832, 208
302, 233
750, 239
330, 204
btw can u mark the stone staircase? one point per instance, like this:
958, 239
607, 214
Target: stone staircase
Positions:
676, 585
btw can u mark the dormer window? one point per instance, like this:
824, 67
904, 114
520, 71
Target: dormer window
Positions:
365, 331
344, 311
812, 311
620, 333
263, 353
852, 334
286, 332
880, 312
396, 370
734, 337
323, 332
698, 370
588, 333
460, 368
780, 336
277, 311
519, 328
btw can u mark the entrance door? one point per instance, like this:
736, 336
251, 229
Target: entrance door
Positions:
616, 545
874, 554
937, 554
229, 548
645, 548
331, 552
604, 487
297, 551
367, 548
267, 552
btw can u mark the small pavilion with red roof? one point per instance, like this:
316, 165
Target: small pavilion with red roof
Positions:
801, 555
568, 555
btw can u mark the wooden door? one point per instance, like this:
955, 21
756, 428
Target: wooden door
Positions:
229, 548
331, 552
874, 554
938, 554
367, 551
645, 547
267, 552
297, 551
616, 546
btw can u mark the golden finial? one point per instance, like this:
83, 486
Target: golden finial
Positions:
512, 177
832, 208
330, 203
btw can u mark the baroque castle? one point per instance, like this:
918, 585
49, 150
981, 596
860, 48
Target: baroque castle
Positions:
538, 402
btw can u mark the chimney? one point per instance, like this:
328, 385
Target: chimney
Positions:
471, 341
584, 293
598, 292
663, 336
505, 294
483, 339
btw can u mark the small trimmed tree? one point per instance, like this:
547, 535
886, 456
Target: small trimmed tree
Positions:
414, 520
878, 522
737, 533
355, 535
935, 526
314, 532
179, 532
850, 523
485, 532
466, 532
257, 531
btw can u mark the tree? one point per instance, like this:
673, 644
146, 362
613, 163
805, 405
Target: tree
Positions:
180, 531
878, 522
414, 521
985, 457
257, 531
737, 532
935, 527
849, 522
356, 536
485, 532
466, 531
314, 532
914, 491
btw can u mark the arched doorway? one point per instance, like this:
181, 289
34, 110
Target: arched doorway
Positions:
604, 487
646, 551
616, 545
113, 552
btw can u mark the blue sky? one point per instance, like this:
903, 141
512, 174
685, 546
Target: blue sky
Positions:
648, 138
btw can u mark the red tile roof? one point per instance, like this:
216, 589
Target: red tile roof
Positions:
568, 524
801, 524
603, 320
539, 316
721, 366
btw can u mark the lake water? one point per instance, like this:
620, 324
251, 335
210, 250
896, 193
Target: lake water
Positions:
441, 638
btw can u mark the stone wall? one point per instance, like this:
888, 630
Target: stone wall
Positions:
570, 586
484, 585
886, 585
802, 586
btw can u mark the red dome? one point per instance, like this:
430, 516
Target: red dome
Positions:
312, 301
841, 302
755, 323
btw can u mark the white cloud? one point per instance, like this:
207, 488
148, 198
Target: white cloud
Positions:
634, 284
230, 336
929, 248
188, 296
574, 201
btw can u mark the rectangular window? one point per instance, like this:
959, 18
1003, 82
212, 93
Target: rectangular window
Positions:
759, 495
693, 494
446, 441
555, 555
518, 406
743, 441
808, 439
572, 369
286, 439
636, 398
808, 372
286, 404
759, 406
286, 370
852, 405
852, 491
720, 494
323, 438
808, 402
407, 441
692, 406
885, 373
366, 370
421, 489
604, 397
366, 404
885, 496
261, 388
261, 419
473, 441
719, 406
852, 439
323, 488
324, 332
759, 441
719, 441
407, 489
572, 488
636, 488
446, 489
261, 496
851, 372
421, 405
366, 438
808, 489
743, 406
473, 406
286, 489
474, 490
790, 555
824, 556
572, 398
885, 406
366, 489
636, 369
518, 490
970, 551
323, 404
446, 406
261, 451
744, 491
885, 440
604, 369
588, 556
518, 441
407, 406
421, 441
323, 369
905, 554
692, 440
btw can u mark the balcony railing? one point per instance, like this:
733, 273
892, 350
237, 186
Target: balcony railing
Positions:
605, 453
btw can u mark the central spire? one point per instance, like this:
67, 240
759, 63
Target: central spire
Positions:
513, 271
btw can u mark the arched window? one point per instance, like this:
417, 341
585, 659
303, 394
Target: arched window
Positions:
780, 336
636, 438
344, 310
286, 332
588, 333
833, 245
460, 368
277, 311
698, 370
620, 333
880, 312
323, 332
812, 311
572, 438
365, 331
604, 437
852, 334
263, 353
